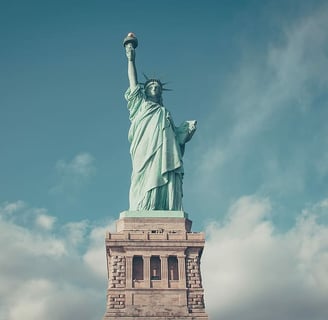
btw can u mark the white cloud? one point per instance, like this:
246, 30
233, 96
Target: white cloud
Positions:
81, 165
33, 305
10, 207
44, 220
43, 275
73, 175
251, 271
76, 231
44, 299
16, 238
95, 256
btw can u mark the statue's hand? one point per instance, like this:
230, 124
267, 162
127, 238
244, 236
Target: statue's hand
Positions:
130, 52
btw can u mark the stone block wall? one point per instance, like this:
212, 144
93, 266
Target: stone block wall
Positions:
178, 295
195, 296
116, 301
118, 272
193, 272
195, 301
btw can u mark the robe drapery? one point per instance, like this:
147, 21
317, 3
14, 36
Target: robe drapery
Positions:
157, 167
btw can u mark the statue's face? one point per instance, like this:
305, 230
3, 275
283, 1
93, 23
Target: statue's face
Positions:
154, 90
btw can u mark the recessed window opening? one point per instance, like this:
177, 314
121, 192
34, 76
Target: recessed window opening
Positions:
137, 272
173, 268
155, 268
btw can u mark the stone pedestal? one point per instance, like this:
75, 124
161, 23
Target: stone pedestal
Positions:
153, 263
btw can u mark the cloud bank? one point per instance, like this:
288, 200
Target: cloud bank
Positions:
250, 270
50, 271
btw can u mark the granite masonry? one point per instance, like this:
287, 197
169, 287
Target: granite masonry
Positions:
153, 263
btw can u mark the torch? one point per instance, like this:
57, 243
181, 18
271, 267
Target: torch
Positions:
130, 40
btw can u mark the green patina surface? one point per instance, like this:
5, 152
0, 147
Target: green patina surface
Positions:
154, 214
157, 146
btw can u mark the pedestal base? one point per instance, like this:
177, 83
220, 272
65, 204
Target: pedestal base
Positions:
153, 265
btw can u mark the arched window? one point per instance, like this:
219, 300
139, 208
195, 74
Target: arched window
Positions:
155, 268
173, 268
137, 272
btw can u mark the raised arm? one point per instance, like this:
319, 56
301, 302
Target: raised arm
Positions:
132, 71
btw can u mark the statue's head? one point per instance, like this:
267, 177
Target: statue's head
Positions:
153, 90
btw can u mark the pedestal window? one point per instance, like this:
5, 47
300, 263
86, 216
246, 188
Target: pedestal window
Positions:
173, 269
155, 268
137, 268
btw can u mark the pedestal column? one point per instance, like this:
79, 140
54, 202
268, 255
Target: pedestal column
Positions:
146, 260
164, 270
128, 272
182, 269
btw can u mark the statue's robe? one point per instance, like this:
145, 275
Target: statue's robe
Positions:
156, 152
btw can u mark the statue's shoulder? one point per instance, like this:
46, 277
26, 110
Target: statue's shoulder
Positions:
136, 93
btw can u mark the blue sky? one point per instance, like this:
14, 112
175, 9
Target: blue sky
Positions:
253, 73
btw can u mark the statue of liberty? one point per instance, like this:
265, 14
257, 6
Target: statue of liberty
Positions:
157, 145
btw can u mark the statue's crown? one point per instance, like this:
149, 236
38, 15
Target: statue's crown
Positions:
149, 81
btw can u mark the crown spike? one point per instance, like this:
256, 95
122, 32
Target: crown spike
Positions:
145, 76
